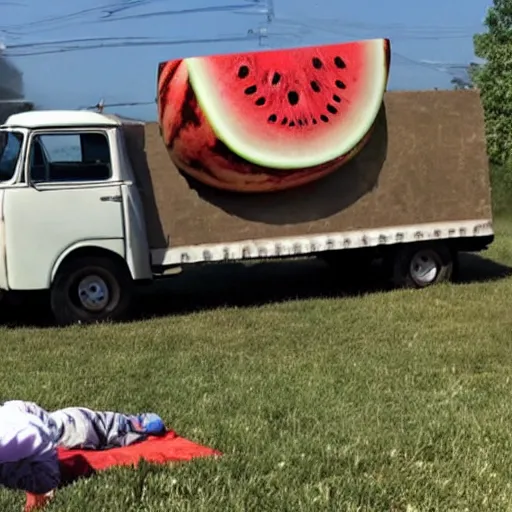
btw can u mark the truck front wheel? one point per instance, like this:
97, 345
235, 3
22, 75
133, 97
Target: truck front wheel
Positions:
91, 289
419, 266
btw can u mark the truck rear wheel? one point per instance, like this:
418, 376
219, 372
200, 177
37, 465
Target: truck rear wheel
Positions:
91, 289
422, 265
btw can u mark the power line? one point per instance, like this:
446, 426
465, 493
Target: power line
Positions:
80, 44
79, 40
193, 10
393, 31
30, 49
109, 9
107, 14
442, 67
159, 14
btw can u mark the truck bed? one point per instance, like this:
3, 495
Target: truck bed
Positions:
423, 174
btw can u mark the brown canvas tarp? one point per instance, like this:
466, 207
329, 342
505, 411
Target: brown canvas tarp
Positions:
426, 162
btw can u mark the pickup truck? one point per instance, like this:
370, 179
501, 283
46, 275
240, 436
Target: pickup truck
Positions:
91, 205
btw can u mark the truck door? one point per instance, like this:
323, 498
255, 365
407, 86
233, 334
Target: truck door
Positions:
69, 198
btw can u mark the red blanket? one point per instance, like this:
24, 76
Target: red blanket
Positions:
159, 450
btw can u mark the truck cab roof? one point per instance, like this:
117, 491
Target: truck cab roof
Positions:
64, 119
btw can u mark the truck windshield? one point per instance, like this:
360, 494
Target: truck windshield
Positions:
10, 148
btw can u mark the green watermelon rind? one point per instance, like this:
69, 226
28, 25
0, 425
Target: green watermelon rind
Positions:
230, 132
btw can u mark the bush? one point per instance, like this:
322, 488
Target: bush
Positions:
501, 182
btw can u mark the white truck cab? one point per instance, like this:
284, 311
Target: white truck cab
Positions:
71, 219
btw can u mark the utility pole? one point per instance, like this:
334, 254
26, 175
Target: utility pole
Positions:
270, 11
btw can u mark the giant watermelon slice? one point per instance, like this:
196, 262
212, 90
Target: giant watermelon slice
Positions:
264, 121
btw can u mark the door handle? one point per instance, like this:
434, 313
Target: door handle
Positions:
114, 199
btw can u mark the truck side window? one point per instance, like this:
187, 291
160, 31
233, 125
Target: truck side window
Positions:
64, 157
10, 148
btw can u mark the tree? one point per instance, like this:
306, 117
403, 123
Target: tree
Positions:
494, 79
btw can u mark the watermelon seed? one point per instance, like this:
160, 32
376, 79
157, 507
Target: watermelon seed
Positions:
272, 118
292, 124
331, 109
315, 86
276, 78
325, 119
260, 101
315, 121
243, 72
301, 122
340, 84
336, 98
339, 62
250, 90
284, 121
317, 63
293, 98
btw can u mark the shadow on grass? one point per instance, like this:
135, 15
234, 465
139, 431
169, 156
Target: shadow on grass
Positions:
257, 284
476, 269
260, 284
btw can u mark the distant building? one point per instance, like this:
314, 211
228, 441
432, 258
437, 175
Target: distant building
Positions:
11, 90
11, 80
10, 107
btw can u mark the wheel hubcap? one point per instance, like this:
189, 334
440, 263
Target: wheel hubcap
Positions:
423, 268
93, 293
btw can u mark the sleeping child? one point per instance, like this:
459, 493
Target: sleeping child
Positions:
29, 437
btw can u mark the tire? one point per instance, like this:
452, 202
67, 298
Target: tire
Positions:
421, 266
107, 290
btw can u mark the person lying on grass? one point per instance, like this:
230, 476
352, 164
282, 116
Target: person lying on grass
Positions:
29, 437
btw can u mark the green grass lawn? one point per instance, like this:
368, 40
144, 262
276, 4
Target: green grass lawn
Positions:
330, 400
